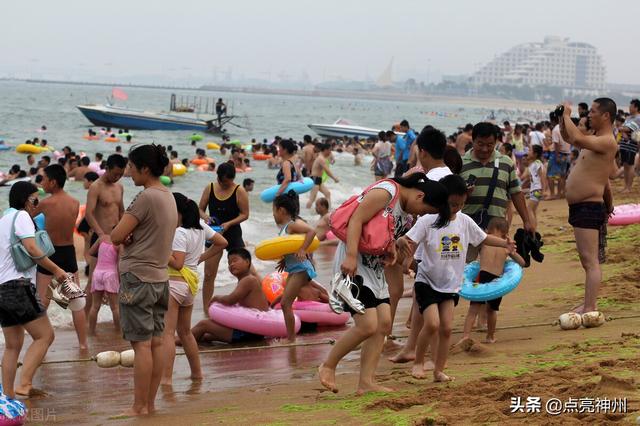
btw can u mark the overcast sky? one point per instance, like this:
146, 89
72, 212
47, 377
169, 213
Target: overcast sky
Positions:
326, 39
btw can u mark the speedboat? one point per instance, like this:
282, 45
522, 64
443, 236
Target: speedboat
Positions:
344, 128
125, 118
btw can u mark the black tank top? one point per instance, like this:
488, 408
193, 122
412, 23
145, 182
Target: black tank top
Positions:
222, 211
294, 174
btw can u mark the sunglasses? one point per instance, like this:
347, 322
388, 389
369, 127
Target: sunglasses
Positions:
34, 201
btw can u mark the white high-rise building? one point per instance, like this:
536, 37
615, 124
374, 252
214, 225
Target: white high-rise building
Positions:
555, 62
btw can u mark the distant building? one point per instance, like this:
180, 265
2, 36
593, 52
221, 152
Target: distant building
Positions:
555, 62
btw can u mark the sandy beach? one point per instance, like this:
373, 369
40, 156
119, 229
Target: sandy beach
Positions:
267, 384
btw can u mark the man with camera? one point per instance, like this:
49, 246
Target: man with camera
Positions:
587, 189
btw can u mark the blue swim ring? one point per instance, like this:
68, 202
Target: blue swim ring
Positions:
476, 292
269, 194
12, 411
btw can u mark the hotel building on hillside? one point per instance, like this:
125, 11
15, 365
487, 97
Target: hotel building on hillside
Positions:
554, 62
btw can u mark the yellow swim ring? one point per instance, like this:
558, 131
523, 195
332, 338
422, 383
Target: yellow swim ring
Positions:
213, 145
276, 248
179, 169
25, 148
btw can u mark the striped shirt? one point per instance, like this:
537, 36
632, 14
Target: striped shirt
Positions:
507, 183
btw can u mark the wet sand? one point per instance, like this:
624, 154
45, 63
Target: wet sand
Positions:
279, 385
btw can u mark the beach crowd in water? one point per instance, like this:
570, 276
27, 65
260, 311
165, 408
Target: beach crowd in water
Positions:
450, 199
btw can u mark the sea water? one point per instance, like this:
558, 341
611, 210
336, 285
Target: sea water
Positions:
24, 107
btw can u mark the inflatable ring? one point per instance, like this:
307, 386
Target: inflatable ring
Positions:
12, 411
4, 147
199, 161
264, 323
236, 143
179, 169
276, 248
260, 157
626, 214
475, 292
318, 313
213, 145
273, 285
91, 137
195, 137
269, 194
165, 180
25, 148
110, 139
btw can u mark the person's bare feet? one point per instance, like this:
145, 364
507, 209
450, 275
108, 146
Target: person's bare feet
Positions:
417, 371
462, 341
441, 377
489, 339
402, 357
328, 378
390, 345
428, 365
30, 392
364, 388
131, 412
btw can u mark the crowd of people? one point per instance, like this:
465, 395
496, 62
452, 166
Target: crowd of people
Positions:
451, 200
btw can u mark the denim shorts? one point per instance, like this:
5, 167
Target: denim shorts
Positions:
142, 307
19, 303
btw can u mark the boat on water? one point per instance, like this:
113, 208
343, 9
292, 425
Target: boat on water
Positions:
345, 128
126, 118
191, 113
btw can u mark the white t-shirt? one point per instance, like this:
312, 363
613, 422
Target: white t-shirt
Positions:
384, 149
534, 171
436, 173
536, 138
24, 229
191, 243
443, 259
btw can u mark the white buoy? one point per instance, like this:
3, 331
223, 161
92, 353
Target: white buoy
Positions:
593, 319
108, 359
127, 357
570, 321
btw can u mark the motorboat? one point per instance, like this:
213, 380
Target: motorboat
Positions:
344, 128
126, 118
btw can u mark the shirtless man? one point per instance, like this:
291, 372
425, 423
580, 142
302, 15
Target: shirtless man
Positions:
587, 190
82, 169
309, 154
464, 139
319, 167
104, 206
60, 211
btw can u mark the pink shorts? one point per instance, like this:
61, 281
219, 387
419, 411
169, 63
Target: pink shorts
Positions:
181, 293
107, 281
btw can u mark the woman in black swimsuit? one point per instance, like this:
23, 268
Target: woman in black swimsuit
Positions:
228, 205
288, 172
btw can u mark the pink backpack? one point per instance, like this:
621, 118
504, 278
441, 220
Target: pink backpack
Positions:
377, 234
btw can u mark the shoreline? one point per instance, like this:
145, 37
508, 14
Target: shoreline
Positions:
469, 101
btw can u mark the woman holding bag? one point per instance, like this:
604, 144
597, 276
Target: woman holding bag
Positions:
20, 305
390, 201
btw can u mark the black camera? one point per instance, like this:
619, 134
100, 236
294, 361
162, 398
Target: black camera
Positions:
558, 112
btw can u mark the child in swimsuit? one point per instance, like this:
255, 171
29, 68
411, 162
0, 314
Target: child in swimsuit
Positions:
492, 260
298, 265
105, 283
